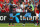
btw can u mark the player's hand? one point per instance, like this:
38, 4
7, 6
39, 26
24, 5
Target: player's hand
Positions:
27, 7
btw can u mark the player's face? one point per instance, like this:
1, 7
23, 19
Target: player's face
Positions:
28, 4
22, 2
12, 2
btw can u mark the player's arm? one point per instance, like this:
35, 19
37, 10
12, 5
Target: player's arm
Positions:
35, 10
30, 9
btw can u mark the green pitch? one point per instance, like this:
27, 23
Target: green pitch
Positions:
18, 25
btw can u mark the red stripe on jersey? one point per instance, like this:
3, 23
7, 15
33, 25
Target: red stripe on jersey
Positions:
37, 11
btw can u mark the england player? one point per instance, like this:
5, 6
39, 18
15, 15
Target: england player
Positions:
39, 13
28, 14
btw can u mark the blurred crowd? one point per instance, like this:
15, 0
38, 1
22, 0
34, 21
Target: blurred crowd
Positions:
19, 6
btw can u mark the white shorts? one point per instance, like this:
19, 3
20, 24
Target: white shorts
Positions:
37, 15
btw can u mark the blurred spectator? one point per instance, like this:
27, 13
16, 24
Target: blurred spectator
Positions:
7, 1
20, 1
23, 5
7, 8
0, 9
1, 4
10, 0
2, 0
15, 1
36, 4
17, 6
3, 10
36, 1
26, 1
18, 9
33, 4
24, 10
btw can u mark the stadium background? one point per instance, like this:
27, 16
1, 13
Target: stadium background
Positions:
4, 17
3, 13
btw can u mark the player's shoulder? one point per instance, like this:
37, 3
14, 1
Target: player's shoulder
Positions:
38, 5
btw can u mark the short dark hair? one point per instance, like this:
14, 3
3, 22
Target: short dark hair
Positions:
29, 2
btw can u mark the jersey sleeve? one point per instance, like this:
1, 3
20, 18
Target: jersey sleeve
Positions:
30, 8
